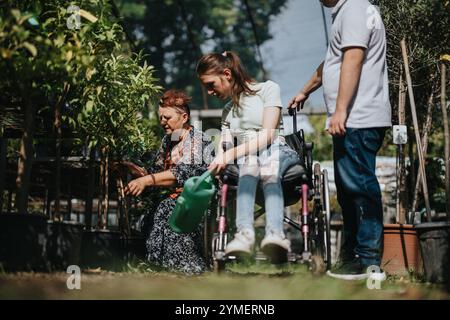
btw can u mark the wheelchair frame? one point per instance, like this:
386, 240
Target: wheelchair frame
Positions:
314, 225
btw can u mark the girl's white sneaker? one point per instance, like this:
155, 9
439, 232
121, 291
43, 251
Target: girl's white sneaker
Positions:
276, 247
243, 242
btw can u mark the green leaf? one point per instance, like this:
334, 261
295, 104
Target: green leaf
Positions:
16, 14
48, 21
89, 106
59, 41
31, 20
31, 48
110, 35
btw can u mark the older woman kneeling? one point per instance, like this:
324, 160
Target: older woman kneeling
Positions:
184, 152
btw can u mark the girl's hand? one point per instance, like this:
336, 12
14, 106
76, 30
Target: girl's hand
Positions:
135, 187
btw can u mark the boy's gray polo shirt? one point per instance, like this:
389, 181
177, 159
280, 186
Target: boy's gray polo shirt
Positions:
357, 23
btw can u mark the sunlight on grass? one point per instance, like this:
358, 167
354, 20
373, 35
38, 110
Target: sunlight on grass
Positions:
243, 281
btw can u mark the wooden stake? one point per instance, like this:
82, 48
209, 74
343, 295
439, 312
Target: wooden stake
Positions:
9, 205
425, 133
3, 147
125, 224
106, 207
90, 190
416, 129
57, 124
102, 190
446, 138
401, 173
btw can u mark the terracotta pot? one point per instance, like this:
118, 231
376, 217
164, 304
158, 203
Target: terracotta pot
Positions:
401, 250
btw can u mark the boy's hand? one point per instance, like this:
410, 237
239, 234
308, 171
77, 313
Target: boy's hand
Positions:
336, 126
297, 100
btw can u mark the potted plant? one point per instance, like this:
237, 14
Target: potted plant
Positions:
421, 45
401, 253
435, 236
49, 66
113, 119
35, 66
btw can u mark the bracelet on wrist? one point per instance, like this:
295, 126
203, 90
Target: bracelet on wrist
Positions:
153, 179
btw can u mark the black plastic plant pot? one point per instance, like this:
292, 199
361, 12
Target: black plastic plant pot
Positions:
63, 244
434, 240
23, 242
102, 249
135, 249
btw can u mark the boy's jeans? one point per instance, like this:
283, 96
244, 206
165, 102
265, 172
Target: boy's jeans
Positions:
269, 166
359, 193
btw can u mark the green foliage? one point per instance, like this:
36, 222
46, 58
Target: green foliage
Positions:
436, 185
174, 33
39, 53
323, 144
109, 87
388, 148
424, 24
112, 100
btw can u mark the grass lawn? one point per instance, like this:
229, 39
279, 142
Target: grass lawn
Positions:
252, 281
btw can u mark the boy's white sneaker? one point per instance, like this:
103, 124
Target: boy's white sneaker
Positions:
243, 243
276, 247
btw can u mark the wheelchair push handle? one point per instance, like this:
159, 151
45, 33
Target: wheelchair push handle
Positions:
293, 113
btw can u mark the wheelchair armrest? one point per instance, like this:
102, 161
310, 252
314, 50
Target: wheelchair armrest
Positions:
231, 174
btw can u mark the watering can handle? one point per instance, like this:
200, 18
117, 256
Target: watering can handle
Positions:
202, 178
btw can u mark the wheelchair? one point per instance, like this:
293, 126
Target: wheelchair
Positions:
300, 182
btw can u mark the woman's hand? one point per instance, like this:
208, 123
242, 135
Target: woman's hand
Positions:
135, 170
136, 187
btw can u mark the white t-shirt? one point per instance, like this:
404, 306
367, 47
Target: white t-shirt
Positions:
245, 121
357, 23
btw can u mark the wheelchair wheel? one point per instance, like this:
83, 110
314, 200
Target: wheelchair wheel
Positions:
327, 216
218, 266
208, 239
218, 254
320, 229
318, 265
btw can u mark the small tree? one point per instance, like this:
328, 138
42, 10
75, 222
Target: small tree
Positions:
424, 24
111, 117
39, 57
88, 67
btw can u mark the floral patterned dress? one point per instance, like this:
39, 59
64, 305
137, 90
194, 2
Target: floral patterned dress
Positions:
165, 248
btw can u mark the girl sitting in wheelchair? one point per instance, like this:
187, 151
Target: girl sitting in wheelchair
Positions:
253, 116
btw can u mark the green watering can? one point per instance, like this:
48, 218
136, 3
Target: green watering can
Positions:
192, 203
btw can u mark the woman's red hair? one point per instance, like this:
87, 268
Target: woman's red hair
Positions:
176, 99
